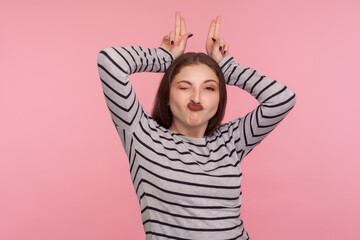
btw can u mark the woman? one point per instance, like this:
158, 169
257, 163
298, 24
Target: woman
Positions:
185, 164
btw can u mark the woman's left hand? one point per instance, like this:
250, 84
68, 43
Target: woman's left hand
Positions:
176, 41
215, 46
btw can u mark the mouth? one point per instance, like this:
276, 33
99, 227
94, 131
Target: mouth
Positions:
195, 106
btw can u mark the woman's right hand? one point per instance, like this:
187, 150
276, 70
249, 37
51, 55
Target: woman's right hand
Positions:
215, 46
176, 41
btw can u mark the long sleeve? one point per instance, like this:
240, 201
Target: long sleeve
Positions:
115, 64
276, 100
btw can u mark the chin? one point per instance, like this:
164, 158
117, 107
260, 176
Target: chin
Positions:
196, 123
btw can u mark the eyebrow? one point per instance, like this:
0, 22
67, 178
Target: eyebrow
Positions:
206, 81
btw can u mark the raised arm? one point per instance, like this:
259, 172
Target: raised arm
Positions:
115, 64
276, 100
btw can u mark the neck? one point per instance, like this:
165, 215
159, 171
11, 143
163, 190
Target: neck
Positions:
196, 132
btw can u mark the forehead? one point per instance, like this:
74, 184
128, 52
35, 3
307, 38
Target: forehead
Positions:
196, 72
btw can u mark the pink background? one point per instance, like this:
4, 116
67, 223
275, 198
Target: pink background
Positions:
63, 171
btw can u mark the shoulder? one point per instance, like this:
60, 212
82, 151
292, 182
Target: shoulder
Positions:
226, 130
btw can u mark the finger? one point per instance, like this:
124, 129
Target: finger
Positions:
211, 30
226, 49
183, 26
221, 44
217, 27
213, 46
177, 25
216, 45
209, 42
172, 37
165, 42
183, 41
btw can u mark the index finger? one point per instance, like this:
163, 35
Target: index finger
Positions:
183, 26
177, 24
217, 26
211, 29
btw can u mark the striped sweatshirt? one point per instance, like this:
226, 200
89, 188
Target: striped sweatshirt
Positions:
188, 188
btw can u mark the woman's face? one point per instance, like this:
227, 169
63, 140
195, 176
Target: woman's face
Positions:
194, 97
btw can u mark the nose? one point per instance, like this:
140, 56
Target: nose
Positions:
195, 96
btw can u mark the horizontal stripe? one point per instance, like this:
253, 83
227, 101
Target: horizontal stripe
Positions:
192, 229
186, 171
184, 182
189, 217
144, 181
236, 208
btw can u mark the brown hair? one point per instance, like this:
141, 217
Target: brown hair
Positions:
162, 113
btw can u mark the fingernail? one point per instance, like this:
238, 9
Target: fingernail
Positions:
220, 48
214, 40
190, 35
172, 42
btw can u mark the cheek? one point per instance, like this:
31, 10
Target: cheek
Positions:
175, 99
213, 101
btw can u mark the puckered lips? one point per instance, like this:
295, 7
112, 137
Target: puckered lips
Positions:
195, 106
